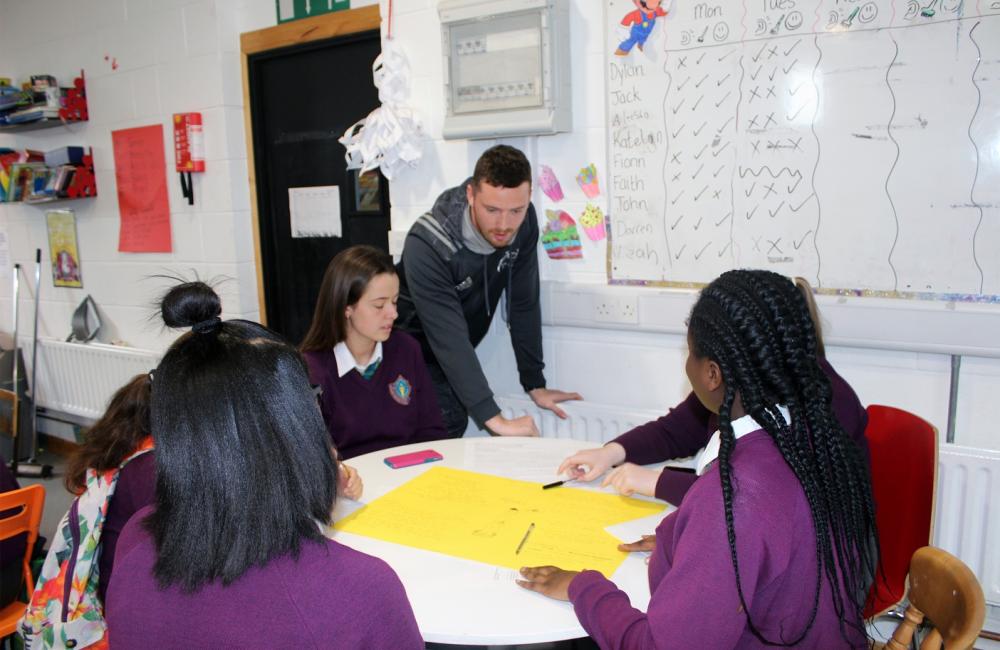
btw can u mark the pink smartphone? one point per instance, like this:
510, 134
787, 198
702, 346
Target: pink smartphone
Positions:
413, 458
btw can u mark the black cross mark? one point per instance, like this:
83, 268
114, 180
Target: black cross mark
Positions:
801, 241
698, 195
750, 191
769, 190
756, 242
753, 121
678, 255
773, 144
674, 200
681, 62
676, 158
751, 213
770, 92
772, 52
725, 248
756, 146
676, 177
699, 253
695, 175
770, 120
795, 143
753, 75
754, 93
774, 246
775, 211
677, 222
716, 194
723, 219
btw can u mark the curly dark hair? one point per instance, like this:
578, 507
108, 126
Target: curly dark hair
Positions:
756, 326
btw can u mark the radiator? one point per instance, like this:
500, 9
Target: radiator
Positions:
79, 378
967, 500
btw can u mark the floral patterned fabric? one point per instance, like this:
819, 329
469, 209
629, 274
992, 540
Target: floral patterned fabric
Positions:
65, 610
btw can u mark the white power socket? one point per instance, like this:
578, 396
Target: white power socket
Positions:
610, 308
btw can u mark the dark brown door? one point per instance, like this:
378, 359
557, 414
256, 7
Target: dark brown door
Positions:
302, 100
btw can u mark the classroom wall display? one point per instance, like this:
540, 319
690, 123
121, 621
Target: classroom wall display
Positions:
853, 142
143, 202
63, 249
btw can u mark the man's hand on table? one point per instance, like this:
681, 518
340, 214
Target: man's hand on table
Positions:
522, 426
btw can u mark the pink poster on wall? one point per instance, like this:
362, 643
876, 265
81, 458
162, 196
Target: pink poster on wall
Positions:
141, 172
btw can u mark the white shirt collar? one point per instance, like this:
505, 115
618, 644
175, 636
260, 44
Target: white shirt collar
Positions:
741, 427
346, 361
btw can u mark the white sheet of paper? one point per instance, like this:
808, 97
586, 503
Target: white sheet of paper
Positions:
529, 463
632, 531
315, 211
4, 256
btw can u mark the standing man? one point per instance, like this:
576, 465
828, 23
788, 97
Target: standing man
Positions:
480, 240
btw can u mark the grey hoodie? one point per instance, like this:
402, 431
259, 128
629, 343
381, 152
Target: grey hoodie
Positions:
449, 289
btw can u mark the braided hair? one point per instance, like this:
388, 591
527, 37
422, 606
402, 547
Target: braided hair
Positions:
756, 326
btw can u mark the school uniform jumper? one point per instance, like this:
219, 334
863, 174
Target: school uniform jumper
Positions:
135, 490
331, 596
687, 428
694, 602
396, 406
450, 282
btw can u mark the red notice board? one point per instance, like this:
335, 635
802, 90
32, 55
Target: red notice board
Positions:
141, 172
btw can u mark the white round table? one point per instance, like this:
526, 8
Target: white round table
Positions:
461, 601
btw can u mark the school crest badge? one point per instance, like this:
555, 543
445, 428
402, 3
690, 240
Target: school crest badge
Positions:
401, 390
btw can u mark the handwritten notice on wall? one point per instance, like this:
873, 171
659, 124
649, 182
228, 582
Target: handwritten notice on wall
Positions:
141, 172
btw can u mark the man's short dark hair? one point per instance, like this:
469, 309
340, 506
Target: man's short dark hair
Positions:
502, 166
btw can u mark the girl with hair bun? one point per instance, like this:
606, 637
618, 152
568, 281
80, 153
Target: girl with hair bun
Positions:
233, 551
376, 391
776, 537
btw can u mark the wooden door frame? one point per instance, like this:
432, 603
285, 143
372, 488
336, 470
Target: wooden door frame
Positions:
297, 32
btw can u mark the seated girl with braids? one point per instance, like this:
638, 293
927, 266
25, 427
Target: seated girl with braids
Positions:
686, 429
232, 552
774, 541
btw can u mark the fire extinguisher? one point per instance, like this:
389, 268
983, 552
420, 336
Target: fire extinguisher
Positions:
189, 150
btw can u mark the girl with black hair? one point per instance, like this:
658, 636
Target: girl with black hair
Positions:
233, 553
686, 429
376, 391
774, 544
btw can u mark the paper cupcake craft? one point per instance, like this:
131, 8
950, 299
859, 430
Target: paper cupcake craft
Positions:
550, 184
587, 179
592, 221
560, 237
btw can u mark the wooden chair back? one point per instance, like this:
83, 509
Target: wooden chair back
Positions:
944, 591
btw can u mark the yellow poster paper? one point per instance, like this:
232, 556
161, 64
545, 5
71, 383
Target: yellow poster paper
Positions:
500, 521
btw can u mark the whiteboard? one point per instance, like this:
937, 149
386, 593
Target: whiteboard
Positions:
852, 142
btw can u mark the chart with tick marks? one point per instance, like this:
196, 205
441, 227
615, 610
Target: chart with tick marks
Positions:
853, 142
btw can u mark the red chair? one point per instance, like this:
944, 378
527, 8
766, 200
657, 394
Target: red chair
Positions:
904, 473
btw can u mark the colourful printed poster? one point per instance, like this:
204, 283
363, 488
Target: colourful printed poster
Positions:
141, 172
63, 251
560, 238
